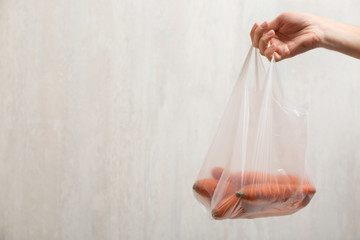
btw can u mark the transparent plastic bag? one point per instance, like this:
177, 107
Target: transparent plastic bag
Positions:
256, 164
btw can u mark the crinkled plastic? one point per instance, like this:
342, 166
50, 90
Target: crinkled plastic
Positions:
256, 164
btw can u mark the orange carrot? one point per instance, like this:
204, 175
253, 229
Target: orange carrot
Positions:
305, 202
248, 177
251, 177
206, 187
228, 208
217, 172
273, 192
286, 179
226, 189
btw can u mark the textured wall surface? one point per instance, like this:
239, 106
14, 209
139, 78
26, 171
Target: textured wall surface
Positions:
108, 109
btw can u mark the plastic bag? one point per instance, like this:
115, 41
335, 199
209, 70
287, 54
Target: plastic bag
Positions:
256, 164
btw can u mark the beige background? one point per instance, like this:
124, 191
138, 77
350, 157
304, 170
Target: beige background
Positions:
108, 108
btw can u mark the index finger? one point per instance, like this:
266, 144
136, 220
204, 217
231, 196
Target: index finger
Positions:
252, 32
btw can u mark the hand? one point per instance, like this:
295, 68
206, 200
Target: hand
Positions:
289, 34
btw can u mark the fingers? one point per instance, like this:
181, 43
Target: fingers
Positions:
252, 32
262, 34
269, 52
264, 40
277, 57
259, 31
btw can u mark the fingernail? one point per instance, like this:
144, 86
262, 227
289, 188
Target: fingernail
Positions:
254, 26
263, 25
269, 33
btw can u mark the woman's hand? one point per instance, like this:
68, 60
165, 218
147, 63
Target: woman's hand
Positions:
289, 34
293, 33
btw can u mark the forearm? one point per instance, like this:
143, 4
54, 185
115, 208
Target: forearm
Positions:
340, 37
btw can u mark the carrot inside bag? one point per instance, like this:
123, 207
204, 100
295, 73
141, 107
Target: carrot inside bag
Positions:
256, 163
254, 194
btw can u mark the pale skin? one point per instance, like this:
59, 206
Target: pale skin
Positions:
291, 34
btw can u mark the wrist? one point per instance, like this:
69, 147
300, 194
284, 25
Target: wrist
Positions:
339, 37
329, 39
323, 31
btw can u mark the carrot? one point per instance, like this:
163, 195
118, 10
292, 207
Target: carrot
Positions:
228, 208
226, 189
273, 192
206, 187
242, 178
247, 178
216, 172
286, 179
305, 202
244, 205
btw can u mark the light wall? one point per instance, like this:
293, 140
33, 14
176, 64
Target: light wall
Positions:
109, 107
